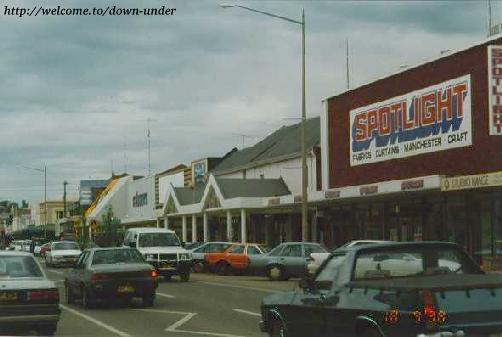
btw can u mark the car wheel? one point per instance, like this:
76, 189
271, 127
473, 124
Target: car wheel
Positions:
222, 268
47, 330
70, 298
147, 301
87, 302
185, 277
276, 273
277, 328
198, 267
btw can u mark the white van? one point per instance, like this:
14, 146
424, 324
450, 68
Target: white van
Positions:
162, 249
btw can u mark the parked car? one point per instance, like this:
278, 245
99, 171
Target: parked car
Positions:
44, 248
316, 259
62, 253
162, 249
380, 290
16, 245
192, 245
289, 259
28, 300
103, 274
198, 253
233, 259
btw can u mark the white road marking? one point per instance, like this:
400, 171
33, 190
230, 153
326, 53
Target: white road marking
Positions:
242, 311
239, 287
56, 271
188, 316
165, 295
95, 321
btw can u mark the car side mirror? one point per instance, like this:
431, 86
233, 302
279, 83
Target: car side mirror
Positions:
132, 244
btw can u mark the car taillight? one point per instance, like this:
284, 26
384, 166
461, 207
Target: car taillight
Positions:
432, 316
153, 274
99, 277
44, 295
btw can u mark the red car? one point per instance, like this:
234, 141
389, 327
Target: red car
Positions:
234, 258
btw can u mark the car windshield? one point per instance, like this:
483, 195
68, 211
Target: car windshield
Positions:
12, 267
424, 261
65, 246
158, 240
114, 256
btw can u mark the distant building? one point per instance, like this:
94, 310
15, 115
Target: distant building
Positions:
89, 191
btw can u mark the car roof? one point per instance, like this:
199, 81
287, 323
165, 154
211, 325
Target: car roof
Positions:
150, 230
64, 241
397, 245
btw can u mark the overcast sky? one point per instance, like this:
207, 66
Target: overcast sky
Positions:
76, 91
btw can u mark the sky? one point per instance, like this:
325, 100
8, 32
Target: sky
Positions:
76, 92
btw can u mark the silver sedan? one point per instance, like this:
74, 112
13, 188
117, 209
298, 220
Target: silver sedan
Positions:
28, 300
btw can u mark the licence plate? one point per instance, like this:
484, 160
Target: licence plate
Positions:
8, 296
125, 289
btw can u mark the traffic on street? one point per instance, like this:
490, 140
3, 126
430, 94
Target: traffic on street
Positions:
292, 168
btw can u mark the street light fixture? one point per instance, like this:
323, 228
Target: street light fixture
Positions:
305, 229
44, 170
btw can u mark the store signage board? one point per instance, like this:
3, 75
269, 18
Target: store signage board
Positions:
471, 181
432, 119
495, 90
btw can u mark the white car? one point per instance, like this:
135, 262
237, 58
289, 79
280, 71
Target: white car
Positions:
29, 300
16, 245
162, 249
316, 259
62, 253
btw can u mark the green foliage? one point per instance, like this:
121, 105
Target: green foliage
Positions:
110, 233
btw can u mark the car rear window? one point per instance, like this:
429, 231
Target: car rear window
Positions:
18, 267
117, 256
411, 263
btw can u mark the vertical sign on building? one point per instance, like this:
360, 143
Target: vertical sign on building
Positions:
495, 90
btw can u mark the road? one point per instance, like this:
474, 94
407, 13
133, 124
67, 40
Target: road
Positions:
207, 305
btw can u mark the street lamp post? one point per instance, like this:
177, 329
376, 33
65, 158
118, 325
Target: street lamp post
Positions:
305, 228
44, 170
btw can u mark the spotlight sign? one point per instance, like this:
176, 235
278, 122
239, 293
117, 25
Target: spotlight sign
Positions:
432, 119
495, 90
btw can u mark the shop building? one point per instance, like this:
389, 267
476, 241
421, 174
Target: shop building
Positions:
417, 155
252, 195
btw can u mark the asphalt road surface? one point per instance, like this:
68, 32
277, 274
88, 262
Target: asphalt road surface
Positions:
207, 305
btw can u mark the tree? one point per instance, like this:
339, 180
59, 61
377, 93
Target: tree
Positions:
109, 236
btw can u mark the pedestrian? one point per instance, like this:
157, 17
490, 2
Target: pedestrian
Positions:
32, 245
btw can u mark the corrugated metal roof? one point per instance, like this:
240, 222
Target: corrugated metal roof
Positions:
252, 188
282, 143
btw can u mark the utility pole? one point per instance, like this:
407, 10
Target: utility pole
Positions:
347, 63
45, 201
64, 198
304, 206
489, 18
148, 120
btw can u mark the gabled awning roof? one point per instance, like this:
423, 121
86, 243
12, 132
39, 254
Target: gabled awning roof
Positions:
223, 193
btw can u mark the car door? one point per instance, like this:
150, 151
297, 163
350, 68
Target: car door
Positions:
293, 260
236, 256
